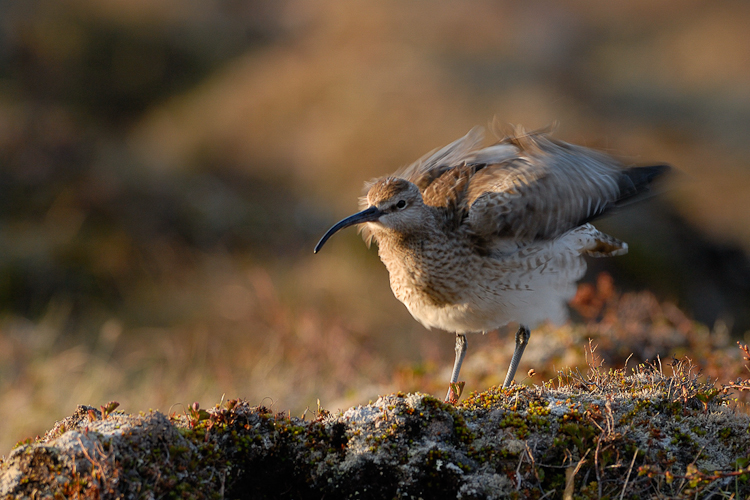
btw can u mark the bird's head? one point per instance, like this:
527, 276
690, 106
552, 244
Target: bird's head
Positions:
390, 203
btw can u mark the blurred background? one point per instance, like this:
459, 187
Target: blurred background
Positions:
167, 167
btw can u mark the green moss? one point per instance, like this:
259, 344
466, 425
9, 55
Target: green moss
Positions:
682, 439
517, 422
725, 434
639, 408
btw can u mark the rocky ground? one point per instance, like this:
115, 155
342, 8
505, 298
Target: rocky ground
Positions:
653, 431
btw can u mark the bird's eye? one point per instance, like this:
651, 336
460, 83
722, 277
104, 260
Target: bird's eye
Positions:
400, 204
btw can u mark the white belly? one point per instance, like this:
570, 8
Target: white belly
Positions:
528, 286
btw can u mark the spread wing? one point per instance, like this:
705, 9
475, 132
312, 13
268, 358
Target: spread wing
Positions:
527, 186
548, 188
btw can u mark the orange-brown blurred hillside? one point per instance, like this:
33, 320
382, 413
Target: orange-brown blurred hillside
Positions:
166, 168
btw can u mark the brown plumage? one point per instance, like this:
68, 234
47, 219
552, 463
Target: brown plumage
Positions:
474, 238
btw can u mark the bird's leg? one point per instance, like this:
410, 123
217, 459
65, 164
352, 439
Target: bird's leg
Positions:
522, 338
455, 387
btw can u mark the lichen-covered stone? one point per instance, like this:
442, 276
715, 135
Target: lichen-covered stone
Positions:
593, 435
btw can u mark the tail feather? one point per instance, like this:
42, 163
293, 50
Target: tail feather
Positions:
636, 181
633, 183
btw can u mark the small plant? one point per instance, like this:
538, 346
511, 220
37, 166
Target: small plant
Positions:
195, 415
108, 408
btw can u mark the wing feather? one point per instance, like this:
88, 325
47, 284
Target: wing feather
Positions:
434, 164
525, 187
548, 188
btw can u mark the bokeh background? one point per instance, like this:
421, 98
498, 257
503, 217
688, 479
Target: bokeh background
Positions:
166, 168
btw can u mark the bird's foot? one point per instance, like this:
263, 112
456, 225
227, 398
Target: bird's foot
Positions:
454, 392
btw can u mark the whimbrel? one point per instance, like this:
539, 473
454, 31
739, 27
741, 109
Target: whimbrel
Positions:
475, 238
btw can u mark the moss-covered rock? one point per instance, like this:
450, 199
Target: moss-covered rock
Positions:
591, 436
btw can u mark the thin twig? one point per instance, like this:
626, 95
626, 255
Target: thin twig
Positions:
570, 477
627, 478
518, 472
596, 464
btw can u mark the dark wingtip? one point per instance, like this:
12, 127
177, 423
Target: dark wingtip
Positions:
637, 180
651, 172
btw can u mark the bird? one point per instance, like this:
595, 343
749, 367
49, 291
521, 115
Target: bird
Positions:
475, 238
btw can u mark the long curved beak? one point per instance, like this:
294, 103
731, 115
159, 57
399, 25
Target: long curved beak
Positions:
370, 214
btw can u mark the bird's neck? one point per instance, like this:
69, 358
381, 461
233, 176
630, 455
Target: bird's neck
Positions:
395, 243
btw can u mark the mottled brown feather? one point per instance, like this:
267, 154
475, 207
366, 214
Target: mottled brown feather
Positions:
527, 186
